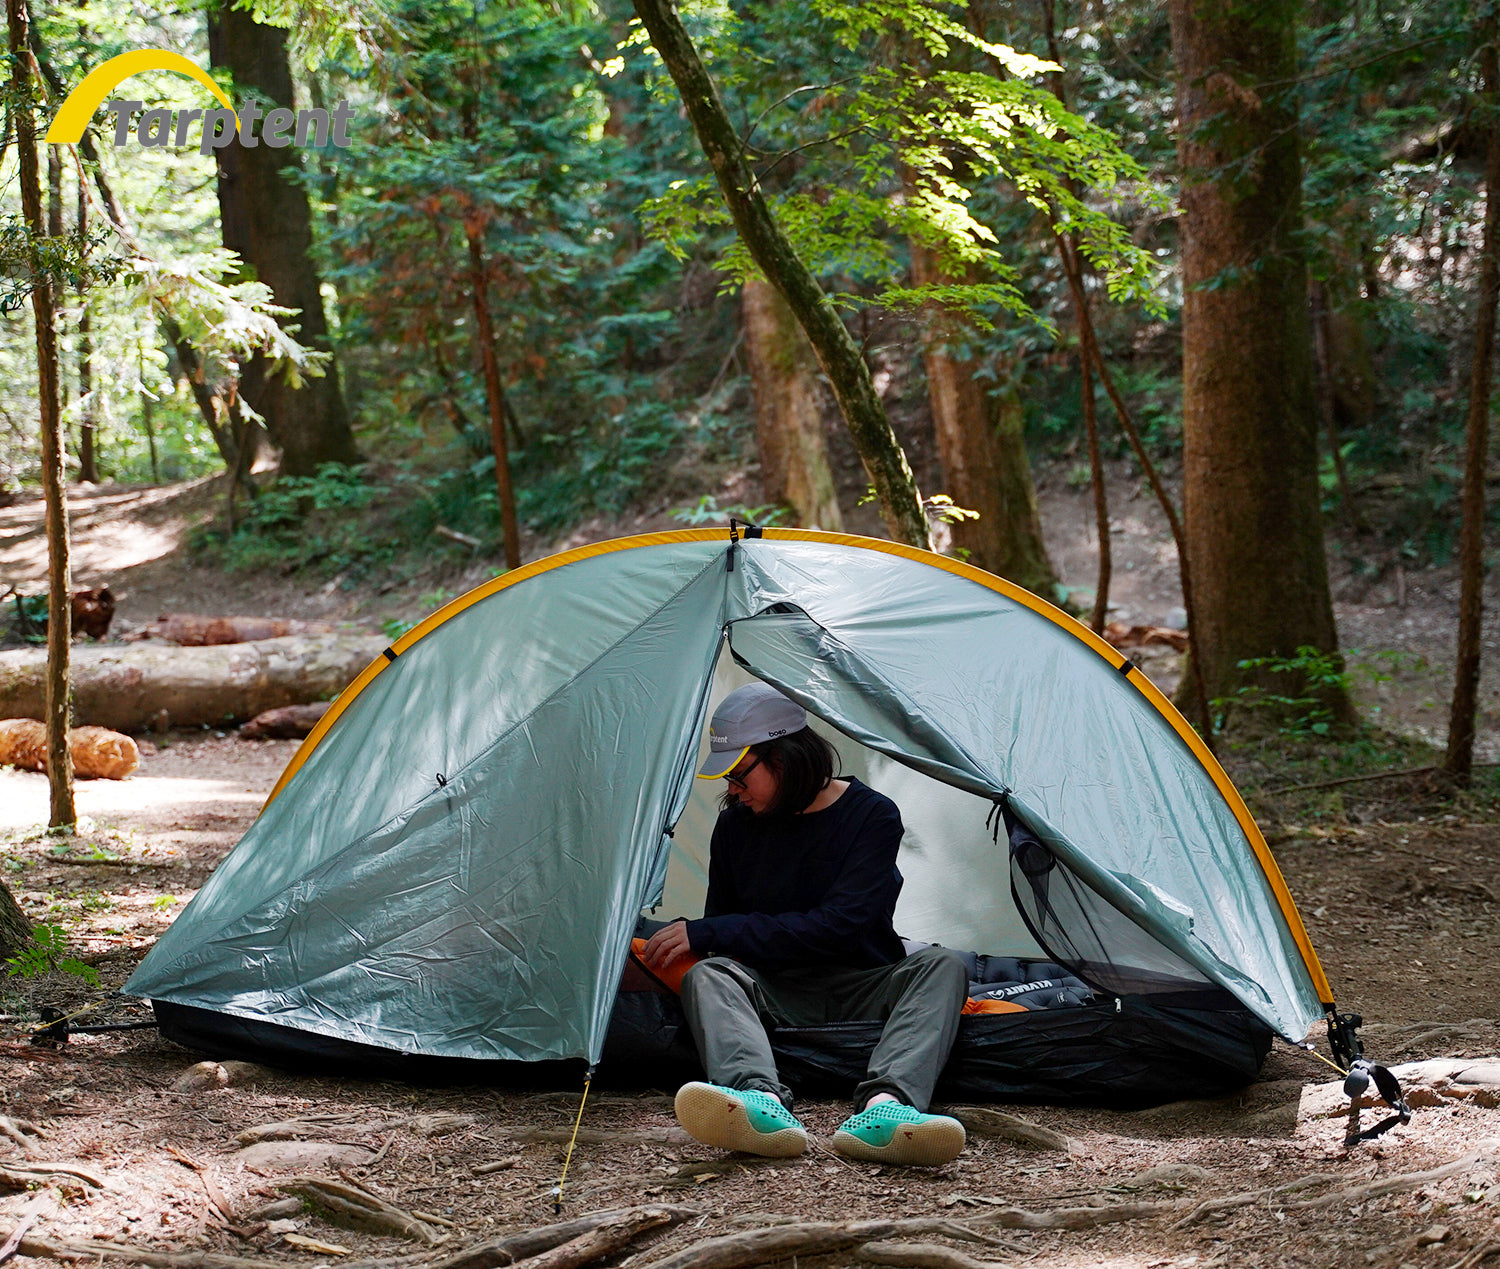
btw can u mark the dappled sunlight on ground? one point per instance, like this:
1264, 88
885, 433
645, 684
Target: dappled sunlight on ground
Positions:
24, 797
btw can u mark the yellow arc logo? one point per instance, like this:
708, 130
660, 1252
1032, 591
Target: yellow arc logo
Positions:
67, 128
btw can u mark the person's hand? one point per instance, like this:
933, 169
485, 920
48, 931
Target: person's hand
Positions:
666, 945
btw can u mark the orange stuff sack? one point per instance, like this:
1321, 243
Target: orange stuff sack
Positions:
994, 1006
672, 975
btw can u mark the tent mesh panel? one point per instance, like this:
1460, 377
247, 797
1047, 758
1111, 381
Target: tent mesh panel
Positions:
1082, 932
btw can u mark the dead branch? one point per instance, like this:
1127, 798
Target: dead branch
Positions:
918, 1256
1354, 779
453, 535
498, 1165
22, 1176
358, 1207
314, 1245
813, 1238
28, 1217
215, 1195
982, 1121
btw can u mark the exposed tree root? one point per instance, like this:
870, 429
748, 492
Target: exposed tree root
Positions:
605, 1240
1404, 1181
1349, 1194
22, 1132
353, 1205
601, 1136
918, 1256
352, 1125
573, 1240
1483, 1252
813, 1238
984, 1121
1074, 1218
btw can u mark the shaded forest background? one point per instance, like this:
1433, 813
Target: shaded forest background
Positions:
1234, 249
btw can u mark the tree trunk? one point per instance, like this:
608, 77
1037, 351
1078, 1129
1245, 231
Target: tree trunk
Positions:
838, 354
1458, 762
59, 571
1100, 612
983, 452
129, 688
266, 220
794, 467
15, 929
1250, 435
494, 392
88, 460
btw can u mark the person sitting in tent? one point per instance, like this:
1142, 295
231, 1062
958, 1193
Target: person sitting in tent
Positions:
802, 887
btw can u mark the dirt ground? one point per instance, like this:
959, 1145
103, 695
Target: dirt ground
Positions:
1399, 889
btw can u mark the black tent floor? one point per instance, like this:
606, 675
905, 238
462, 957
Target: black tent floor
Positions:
1130, 1052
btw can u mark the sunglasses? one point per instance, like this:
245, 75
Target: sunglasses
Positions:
737, 780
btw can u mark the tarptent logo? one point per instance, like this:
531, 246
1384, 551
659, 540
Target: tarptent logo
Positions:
162, 126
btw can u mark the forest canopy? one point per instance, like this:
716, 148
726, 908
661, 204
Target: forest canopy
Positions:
504, 287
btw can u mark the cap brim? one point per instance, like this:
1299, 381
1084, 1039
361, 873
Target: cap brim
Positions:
721, 764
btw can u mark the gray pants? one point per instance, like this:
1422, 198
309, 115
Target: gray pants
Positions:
730, 1009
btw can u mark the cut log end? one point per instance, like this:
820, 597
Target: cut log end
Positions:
97, 752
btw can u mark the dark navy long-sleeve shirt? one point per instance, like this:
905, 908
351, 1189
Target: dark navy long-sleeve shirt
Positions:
794, 891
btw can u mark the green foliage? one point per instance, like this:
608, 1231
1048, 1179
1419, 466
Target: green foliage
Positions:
25, 617
708, 511
48, 952
301, 521
71, 260
394, 627
898, 115
1303, 711
1313, 678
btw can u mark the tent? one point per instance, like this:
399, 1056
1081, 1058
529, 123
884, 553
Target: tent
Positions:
453, 863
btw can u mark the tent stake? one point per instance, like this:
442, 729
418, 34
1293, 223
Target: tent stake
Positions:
568, 1158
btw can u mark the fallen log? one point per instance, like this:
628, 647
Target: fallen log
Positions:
129, 687
193, 630
290, 722
98, 753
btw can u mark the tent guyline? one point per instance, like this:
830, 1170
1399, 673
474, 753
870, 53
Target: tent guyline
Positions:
486, 914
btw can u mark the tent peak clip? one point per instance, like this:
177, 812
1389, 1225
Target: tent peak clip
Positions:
751, 531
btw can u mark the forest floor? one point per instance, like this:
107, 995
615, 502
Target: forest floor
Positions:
1398, 881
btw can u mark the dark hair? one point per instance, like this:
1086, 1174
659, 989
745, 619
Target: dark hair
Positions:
803, 763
